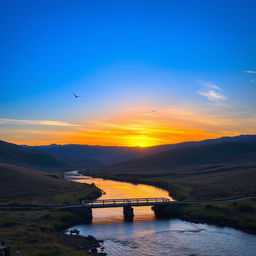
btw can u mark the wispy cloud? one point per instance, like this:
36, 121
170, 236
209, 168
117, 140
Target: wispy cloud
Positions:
250, 71
35, 122
211, 91
212, 95
209, 85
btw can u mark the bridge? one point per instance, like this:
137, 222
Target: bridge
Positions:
125, 202
157, 204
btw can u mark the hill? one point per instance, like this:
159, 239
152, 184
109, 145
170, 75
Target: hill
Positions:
236, 150
110, 155
28, 157
104, 154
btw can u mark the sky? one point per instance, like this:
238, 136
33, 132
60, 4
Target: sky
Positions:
149, 72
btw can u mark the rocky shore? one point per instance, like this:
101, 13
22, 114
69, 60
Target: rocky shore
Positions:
87, 244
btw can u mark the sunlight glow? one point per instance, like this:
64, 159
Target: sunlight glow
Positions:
141, 141
134, 127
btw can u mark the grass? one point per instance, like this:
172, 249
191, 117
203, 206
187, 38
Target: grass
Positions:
36, 232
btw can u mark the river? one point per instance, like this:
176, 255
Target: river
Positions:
146, 236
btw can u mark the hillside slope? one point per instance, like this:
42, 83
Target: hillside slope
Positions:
217, 153
104, 154
110, 155
22, 156
25, 185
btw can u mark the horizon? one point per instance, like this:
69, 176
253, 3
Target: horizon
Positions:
142, 147
149, 73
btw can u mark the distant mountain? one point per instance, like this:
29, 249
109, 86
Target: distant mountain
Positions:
232, 150
27, 157
104, 154
110, 155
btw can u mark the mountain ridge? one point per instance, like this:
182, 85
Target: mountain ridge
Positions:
110, 155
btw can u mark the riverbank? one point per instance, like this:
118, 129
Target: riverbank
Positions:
240, 215
40, 232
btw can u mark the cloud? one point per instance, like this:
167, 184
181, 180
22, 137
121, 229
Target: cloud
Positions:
210, 85
35, 122
211, 91
250, 71
212, 95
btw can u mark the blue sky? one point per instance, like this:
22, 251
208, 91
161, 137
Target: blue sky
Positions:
121, 55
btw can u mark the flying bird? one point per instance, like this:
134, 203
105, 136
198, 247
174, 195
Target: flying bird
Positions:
76, 96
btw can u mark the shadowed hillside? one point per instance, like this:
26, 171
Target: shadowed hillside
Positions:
200, 154
25, 185
22, 156
113, 155
104, 154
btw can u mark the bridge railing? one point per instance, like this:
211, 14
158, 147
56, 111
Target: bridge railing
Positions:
126, 201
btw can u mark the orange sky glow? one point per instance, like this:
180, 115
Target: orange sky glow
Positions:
133, 127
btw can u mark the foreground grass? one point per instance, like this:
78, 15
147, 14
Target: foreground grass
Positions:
37, 232
221, 184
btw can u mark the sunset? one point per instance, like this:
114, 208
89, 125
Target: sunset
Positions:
127, 127
200, 89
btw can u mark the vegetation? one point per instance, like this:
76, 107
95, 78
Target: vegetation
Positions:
36, 232
240, 215
221, 184
39, 232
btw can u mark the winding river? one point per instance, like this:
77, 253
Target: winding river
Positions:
146, 236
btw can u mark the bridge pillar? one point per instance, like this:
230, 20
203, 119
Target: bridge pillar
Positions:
83, 212
160, 211
88, 213
128, 213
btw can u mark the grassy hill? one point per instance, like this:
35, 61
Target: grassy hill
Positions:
220, 154
104, 154
109, 155
22, 156
20, 185
39, 232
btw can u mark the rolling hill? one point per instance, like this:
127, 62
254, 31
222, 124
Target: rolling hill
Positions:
19, 181
225, 151
110, 155
104, 154
27, 157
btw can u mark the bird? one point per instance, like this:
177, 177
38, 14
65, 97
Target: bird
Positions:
76, 96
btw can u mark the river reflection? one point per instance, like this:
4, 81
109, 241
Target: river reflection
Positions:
149, 237
117, 190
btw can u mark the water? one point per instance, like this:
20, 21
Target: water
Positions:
146, 236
